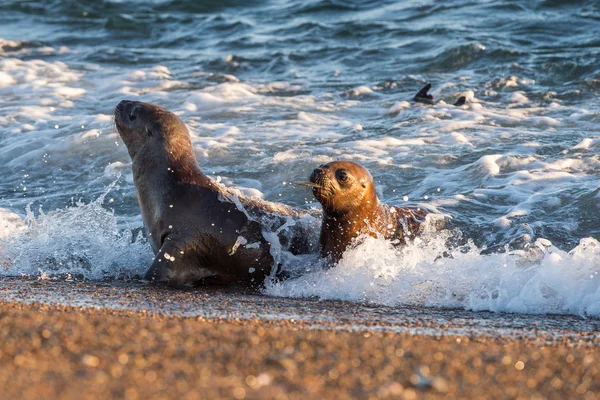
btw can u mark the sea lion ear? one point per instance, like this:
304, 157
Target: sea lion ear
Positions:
148, 132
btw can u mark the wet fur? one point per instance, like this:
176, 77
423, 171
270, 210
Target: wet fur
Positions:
192, 222
353, 209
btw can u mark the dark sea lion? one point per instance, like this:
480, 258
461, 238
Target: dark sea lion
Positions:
351, 208
198, 229
423, 96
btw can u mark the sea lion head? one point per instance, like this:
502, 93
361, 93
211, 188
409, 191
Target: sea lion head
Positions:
141, 124
343, 186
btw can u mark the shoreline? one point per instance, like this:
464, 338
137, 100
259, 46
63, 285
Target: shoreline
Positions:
242, 304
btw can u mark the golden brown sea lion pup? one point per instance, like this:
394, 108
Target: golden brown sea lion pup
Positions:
198, 229
351, 208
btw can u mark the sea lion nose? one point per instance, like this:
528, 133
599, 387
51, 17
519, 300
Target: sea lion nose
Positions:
315, 174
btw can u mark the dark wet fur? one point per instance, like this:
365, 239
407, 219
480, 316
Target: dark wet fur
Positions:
423, 96
461, 101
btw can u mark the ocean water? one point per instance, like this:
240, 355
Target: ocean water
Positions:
270, 90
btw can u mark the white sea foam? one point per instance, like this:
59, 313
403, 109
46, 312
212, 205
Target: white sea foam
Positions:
11, 224
81, 241
360, 91
541, 279
84, 241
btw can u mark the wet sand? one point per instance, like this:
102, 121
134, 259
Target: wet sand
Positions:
126, 340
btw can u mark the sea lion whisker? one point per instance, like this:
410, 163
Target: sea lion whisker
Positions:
330, 188
328, 193
310, 184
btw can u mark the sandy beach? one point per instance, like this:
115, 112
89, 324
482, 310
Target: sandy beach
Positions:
65, 344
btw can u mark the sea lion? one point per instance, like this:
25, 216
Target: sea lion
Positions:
198, 229
423, 96
351, 208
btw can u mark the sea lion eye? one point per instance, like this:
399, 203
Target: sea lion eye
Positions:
341, 175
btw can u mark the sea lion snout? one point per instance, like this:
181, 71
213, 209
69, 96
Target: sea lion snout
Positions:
131, 122
316, 174
321, 185
122, 104
125, 105
127, 111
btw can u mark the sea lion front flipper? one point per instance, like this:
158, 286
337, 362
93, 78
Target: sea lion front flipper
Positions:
177, 264
158, 271
423, 96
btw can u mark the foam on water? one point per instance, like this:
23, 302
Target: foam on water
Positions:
77, 242
539, 279
84, 241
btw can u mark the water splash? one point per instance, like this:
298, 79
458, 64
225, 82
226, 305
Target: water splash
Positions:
84, 241
540, 279
81, 241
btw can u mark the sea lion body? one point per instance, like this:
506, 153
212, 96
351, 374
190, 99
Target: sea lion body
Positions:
351, 208
197, 228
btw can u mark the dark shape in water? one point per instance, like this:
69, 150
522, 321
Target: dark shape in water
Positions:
424, 97
461, 101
